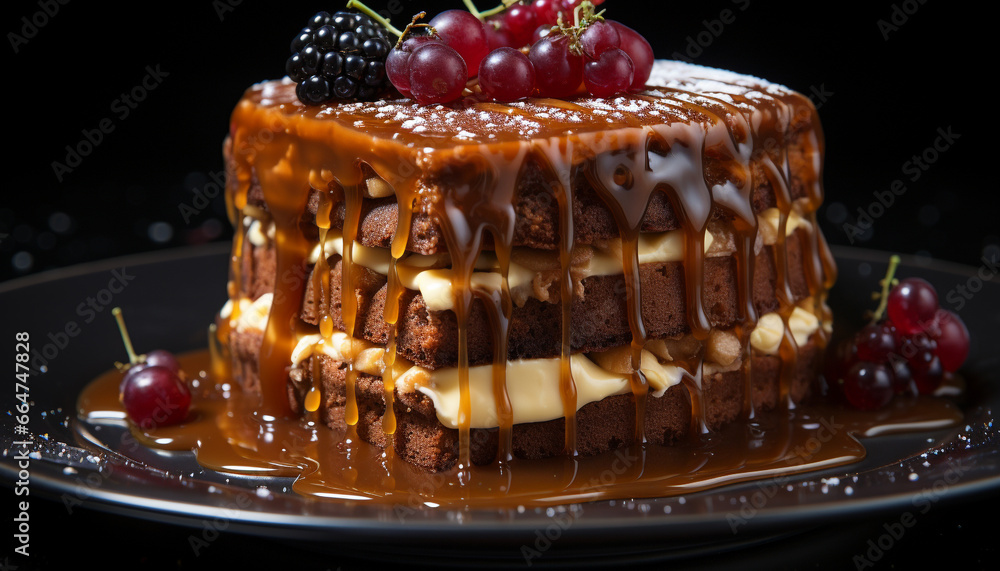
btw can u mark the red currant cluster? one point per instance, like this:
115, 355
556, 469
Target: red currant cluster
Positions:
548, 48
910, 351
152, 390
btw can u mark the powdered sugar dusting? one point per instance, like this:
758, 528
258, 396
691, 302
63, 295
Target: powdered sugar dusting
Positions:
678, 92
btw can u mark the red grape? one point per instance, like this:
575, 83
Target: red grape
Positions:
875, 342
639, 50
161, 358
558, 72
599, 37
912, 305
506, 74
437, 73
466, 34
155, 396
497, 35
397, 64
902, 379
952, 340
927, 373
610, 74
520, 22
546, 11
868, 386
541, 32
839, 359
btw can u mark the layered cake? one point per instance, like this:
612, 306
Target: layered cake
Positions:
478, 281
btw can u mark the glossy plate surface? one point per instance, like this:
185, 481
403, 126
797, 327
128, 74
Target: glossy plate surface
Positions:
170, 297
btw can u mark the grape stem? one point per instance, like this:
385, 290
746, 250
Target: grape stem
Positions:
132, 357
886, 284
492, 11
374, 16
587, 8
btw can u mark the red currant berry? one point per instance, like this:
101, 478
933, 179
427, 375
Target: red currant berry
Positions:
868, 386
639, 50
437, 73
155, 396
466, 34
558, 72
599, 37
912, 305
952, 340
520, 21
610, 74
875, 341
506, 75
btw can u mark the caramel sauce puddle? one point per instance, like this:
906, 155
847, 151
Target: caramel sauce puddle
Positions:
227, 434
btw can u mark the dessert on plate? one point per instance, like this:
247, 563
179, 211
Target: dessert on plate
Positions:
476, 279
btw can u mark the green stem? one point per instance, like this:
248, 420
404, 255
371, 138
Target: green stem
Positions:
374, 16
132, 357
492, 11
886, 284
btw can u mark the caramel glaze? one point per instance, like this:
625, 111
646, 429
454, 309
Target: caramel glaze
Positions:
702, 145
228, 435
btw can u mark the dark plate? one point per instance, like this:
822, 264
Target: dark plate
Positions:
170, 297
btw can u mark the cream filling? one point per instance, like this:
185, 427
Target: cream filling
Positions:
436, 284
770, 330
533, 385
769, 220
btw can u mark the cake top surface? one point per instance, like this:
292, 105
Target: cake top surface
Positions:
678, 92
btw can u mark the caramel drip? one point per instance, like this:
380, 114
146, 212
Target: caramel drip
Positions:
394, 292
779, 178
821, 270
556, 158
462, 267
393, 297
282, 182
348, 296
502, 309
321, 300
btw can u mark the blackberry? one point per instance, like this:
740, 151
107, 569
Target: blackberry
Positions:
339, 56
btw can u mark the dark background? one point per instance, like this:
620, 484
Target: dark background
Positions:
881, 101
883, 95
